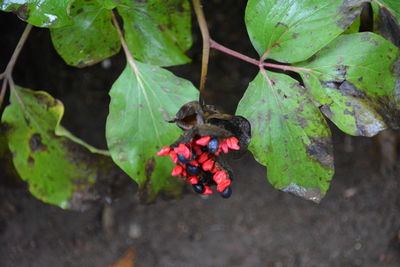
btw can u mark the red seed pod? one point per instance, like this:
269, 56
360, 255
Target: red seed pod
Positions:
203, 157
164, 151
220, 177
197, 150
173, 157
221, 187
203, 141
207, 190
224, 147
177, 170
208, 165
232, 143
184, 150
194, 163
193, 180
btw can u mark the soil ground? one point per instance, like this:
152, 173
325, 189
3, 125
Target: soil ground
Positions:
356, 224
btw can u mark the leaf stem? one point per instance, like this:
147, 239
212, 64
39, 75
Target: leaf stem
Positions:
198, 9
233, 53
7, 74
127, 52
285, 67
253, 61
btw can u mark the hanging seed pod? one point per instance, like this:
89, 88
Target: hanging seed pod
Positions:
197, 152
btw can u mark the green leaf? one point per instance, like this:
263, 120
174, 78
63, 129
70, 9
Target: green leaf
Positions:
354, 27
290, 135
49, 13
108, 4
58, 170
142, 100
349, 83
293, 30
157, 31
393, 6
92, 37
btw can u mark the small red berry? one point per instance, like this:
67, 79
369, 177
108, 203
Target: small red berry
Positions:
194, 163
224, 147
173, 157
177, 170
184, 150
197, 150
164, 151
207, 190
232, 143
203, 157
203, 141
220, 177
193, 180
221, 187
208, 165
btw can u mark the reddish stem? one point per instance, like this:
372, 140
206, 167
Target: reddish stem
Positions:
217, 46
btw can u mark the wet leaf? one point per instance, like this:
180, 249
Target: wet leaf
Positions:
49, 13
295, 29
90, 39
290, 135
349, 83
58, 170
142, 102
157, 31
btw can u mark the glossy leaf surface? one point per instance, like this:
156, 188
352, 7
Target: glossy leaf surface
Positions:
90, 39
157, 31
289, 135
293, 30
350, 83
142, 101
58, 170
49, 13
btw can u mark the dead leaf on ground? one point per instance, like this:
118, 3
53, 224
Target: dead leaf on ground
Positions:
127, 260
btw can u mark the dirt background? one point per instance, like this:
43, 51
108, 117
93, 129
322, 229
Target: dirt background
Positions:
356, 224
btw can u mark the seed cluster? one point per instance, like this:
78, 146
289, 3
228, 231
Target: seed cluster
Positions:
196, 161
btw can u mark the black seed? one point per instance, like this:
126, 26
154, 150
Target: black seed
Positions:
203, 180
227, 192
213, 145
204, 148
198, 188
182, 159
193, 170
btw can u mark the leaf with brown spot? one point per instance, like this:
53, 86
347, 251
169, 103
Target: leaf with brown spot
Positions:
90, 39
294, 30
350, 84
290, 135
59, 168
136, 129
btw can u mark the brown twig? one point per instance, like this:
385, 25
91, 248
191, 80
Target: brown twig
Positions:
206, 42
127, 52
7, 74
